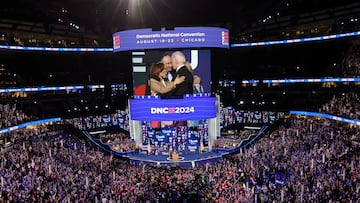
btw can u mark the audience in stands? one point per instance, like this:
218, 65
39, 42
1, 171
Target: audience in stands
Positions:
229, 115
119, 142
345, 105
10, 116
232, 138
313, 160
350, 65
237, 134
114, 138
22, 39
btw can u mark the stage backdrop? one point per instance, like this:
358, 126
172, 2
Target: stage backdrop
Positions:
141, 61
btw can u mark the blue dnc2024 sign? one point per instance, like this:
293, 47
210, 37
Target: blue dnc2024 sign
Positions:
150, 108
180, 37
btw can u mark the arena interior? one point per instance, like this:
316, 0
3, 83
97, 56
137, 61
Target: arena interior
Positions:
287, 90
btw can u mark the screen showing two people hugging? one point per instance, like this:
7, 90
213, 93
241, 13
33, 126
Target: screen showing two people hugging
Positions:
146, 72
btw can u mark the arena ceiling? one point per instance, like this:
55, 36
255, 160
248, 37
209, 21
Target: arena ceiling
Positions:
108, 16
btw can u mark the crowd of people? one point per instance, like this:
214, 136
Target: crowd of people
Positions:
24, 39
312, 160
11, 116
119, 142
344, 105
50, 170
229, 115
350, 64
21, 135
114, 137
237, 134
226, 143
119, 118
232, 138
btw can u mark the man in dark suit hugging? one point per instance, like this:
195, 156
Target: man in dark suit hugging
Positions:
178, 64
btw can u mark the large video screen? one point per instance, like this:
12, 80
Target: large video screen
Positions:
200, 61
179, 37
153, 108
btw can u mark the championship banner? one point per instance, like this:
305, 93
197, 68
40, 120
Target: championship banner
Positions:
180, 37
155, 109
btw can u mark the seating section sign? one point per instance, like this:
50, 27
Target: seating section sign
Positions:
180, 37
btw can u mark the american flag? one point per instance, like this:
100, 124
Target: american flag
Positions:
225, 38
116, 41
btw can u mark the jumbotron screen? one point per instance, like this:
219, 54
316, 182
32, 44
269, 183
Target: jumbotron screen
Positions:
142, 60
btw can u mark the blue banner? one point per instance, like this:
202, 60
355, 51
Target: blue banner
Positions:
155, 109
180, 37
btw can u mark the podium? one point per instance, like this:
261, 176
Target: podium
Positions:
175, 156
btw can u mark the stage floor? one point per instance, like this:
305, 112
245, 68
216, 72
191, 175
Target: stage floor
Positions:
184, 160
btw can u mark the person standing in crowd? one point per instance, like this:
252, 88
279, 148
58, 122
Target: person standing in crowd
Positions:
198, 87
178, 63
171, 73
157, 83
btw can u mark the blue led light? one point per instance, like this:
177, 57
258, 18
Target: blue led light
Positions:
290, 41
22, 48
24, 125
328, 116
39, 89
312, 80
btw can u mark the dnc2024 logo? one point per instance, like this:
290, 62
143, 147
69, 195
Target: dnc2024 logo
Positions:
171, 110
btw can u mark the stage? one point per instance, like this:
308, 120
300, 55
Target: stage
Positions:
183, 160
